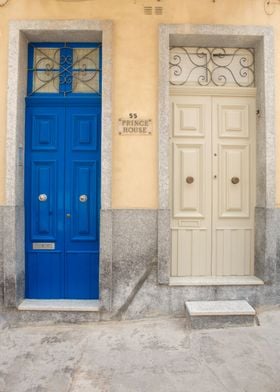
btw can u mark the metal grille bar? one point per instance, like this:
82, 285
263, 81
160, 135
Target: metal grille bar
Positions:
212, 66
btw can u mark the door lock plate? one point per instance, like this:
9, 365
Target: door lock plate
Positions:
43, 245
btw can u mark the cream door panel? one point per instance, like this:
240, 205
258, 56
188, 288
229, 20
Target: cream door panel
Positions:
233, 186
234, 180
190, 252
191, 180
234, 251
189, 117
233, 119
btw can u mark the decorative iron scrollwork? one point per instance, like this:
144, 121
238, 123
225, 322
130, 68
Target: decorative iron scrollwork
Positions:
212, 66
55, 72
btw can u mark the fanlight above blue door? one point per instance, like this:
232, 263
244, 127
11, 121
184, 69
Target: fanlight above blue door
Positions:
64, 69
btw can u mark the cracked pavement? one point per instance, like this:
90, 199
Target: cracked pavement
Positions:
149, 355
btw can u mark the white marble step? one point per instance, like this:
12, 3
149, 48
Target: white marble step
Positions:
219, 308
215, 281
64, 305
219, 314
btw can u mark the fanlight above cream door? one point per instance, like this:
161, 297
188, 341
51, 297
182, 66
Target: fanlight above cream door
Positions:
213, 185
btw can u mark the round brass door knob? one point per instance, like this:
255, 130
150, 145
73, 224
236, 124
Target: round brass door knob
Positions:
235, 180
189, 180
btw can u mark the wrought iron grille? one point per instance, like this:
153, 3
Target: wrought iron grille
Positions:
64, 69
212, 66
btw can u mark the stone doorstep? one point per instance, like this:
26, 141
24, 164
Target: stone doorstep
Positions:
64, 305
219, 314
219, 308
215, 281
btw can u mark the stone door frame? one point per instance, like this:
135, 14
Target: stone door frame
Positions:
262, 39
20, 33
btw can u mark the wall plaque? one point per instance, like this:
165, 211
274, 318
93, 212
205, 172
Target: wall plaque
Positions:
135, 126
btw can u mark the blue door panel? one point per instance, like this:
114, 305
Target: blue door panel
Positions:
43, 214
82, 208
84, 132
44, 132
84, 213
45, 275
44, 167
62, 162
81, 275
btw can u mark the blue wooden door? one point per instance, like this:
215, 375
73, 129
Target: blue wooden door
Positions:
82, 202
62, 198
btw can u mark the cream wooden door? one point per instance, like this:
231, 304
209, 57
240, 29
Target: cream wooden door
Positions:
233, 140
191, 179
213, 185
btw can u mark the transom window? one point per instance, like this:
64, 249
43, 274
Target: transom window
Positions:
198, 66
64, 68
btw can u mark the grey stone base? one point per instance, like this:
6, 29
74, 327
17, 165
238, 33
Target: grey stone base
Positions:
64, 305
219, 314
17, 317
1, 256
207, 322
130, 280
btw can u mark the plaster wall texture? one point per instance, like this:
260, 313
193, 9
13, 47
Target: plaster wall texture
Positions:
135, 74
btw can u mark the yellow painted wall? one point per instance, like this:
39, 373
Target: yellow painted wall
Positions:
135, 73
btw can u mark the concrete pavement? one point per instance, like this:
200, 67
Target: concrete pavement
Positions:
145, 356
